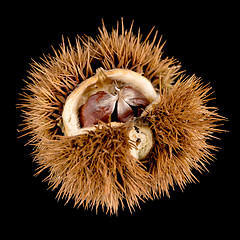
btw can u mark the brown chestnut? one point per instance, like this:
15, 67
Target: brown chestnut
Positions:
101, 105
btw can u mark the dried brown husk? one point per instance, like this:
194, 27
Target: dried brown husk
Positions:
97, 169
183, 126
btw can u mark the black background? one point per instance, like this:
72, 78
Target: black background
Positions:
201, 36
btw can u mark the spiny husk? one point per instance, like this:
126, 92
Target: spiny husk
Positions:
97, 169
183, 125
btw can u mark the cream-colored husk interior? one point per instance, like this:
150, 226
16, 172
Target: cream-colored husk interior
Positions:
107, 80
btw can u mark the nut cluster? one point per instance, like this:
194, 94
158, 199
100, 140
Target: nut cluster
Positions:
126, 104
